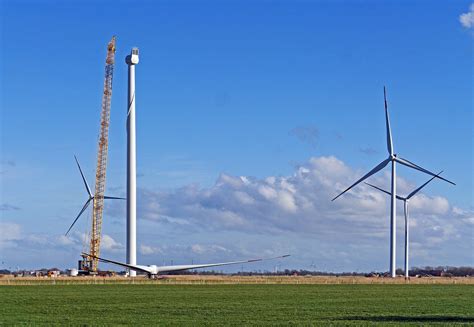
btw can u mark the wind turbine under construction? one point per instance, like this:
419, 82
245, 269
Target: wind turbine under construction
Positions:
405, 209
393, 158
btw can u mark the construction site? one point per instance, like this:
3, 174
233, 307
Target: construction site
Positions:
286, 163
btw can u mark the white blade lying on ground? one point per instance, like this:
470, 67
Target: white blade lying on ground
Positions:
144, 269
206, 265
163, 269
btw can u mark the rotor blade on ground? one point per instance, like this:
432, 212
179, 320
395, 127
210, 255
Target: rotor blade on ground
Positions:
180, 267
83, 178
415, 166
382, 190
80, 213
165, 269
419, 189
370, 173
387, 124
134, 267
113, 198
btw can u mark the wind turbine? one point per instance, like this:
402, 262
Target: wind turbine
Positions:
405, 209
393, 158
91, 196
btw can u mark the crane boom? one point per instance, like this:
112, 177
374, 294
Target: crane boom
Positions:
101, 167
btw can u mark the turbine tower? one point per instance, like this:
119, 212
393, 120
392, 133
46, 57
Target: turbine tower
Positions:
131, 61
405, 209
394, 159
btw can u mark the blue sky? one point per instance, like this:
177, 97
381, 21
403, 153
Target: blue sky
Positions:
237, 88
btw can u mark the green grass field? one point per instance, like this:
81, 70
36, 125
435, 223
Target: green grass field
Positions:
237, 305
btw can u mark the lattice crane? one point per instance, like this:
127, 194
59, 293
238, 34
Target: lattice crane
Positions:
101, 167
90, 262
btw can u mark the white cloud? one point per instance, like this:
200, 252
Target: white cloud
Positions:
9, 233
13, 236
108, 243
300, 203
208, 248
267, 191
429, 205
64, 240
467, 19
244, 198
148, 250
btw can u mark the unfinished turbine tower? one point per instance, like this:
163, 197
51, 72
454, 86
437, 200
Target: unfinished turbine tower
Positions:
131, 61
392, 158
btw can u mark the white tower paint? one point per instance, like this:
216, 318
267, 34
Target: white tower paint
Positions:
407, 241
131, 61
393, 222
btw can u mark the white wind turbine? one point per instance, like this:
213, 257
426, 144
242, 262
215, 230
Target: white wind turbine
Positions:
393, 158
405, 209
91, 197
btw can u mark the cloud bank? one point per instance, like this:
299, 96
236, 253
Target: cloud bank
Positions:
299, 203
244, 217
467, 19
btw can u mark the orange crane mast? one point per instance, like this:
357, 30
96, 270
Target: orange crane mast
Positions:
91, 262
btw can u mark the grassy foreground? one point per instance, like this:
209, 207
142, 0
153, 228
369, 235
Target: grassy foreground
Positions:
237, 304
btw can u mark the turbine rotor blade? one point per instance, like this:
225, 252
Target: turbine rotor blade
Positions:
370, 173
419, 188
387, 124
113, 198
415, 166
83, 178
80, 213
378, 188
386, 192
